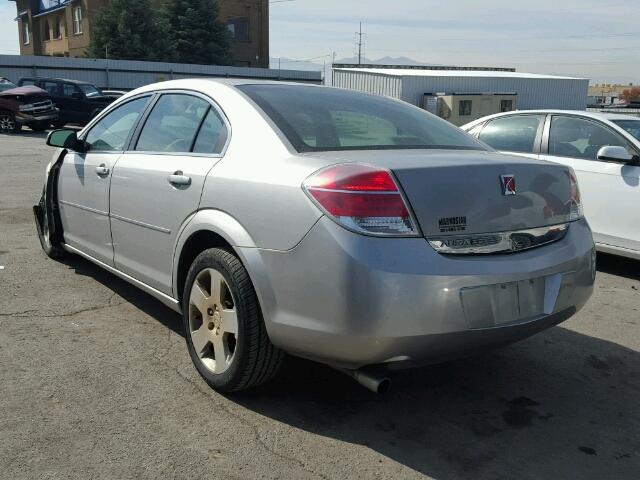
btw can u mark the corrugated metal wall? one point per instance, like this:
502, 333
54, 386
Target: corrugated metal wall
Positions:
127, 75
385, 85
533, 93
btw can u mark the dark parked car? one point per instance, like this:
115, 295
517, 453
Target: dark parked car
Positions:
78, 101
29, 106
113, 93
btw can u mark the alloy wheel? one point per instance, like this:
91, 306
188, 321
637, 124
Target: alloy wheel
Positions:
213, 321
7, 123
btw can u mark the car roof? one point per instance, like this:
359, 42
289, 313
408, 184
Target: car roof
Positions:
582, 113
54, 79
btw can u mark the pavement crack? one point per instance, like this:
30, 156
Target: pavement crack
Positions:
29, 313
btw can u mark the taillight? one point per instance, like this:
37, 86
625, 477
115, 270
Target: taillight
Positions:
576, 200
361, 198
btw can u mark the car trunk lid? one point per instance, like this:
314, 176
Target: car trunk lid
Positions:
457, 192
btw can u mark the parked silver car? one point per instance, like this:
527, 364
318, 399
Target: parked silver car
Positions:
350, 229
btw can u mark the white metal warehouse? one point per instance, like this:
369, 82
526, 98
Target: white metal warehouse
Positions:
411, 84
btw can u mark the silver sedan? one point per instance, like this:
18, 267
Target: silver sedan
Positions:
350, 229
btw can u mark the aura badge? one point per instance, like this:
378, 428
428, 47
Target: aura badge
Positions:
508, 183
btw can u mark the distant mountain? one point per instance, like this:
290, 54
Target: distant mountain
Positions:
386, 61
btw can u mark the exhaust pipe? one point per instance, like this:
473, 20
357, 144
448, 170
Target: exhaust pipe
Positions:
376, 382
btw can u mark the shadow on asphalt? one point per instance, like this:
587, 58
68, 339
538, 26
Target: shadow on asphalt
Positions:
616, 265
128, 292
558, 405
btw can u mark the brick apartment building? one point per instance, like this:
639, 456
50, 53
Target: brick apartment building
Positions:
63, 28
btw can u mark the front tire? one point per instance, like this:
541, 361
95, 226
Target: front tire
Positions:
55, 252
224, 328
8, 123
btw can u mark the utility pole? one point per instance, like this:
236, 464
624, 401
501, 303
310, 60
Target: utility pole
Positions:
360, 34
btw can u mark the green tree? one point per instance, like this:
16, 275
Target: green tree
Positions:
130, 30
196, 34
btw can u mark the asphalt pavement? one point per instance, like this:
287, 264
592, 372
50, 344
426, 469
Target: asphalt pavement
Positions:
96, 383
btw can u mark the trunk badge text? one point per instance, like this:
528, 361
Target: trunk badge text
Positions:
508, 183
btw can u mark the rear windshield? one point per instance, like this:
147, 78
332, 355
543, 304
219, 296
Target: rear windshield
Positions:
631, 126
321, 119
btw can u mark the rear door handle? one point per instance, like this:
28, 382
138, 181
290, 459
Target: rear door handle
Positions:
102, 170
178, 178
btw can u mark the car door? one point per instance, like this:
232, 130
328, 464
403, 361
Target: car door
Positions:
84, 181
77, 104
157, 185
610, 190
53, 88
514, 134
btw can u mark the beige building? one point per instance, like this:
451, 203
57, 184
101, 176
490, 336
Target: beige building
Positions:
63, 28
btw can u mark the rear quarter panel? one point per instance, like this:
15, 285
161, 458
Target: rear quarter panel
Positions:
259, 180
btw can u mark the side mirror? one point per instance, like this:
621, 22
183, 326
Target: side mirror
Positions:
615, 154
78, 96
65, 138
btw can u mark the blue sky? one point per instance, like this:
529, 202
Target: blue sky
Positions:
589, 38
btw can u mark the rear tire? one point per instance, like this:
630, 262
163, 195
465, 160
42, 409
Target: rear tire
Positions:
224, 329
39, 126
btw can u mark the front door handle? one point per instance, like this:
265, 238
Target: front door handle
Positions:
178, 178
102, 170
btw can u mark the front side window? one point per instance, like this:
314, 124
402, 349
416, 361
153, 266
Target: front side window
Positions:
631, 126
77, 20
212, 136
50, 87
112, 131
68, 90
580, 138
512, 134
464, 108
322, 119
172, 124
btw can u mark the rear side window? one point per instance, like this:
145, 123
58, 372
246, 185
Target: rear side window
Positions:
172, 124
112, 131
321, 119
213, 134
512, 134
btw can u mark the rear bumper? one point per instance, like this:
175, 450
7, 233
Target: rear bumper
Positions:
351, 300
27, 117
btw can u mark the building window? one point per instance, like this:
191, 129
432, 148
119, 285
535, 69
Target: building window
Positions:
47, 31
26, 34
506, 105
57, 30
77, 20
464, 108
239, 28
